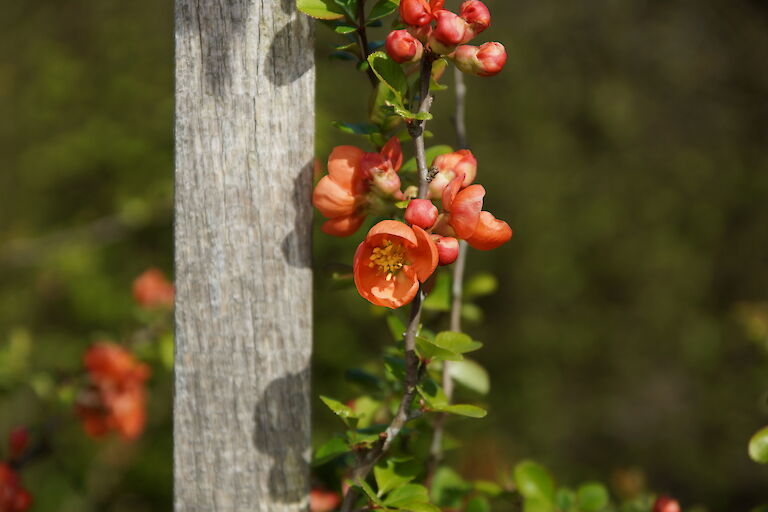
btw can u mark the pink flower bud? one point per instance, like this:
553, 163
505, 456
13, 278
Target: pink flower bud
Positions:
486, 60
447, 249
402, 47
415, 12
421, 212
666, 504
476, 14
450, 31
421, 33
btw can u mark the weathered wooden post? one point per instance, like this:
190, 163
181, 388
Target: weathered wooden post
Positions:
244, 149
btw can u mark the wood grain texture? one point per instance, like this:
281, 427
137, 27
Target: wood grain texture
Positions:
244, 151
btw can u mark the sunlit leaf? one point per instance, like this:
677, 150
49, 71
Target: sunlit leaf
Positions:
390, 73
758, 446
592, 497
456, 342
471, 375
321, 9
383, 8
533, 481
471, 411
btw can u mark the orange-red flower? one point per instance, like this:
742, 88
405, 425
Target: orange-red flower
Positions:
116, 398
391, 262
323, 501
13, 497
152, 290
479, 228
448, 166
342, 195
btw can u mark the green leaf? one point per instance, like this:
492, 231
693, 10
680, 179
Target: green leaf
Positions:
383, 8
533, 481
320, 9
538, 505
471, 411
432, 394
488, 487
165, 350
339, 409
758, 446
428, 350
439, 299
471, 375
471, 313
431, 153
480, 285
592, 497
390, 73
419, 507
344, 29
329, 451
396, 327
392, 476
565, 499
356, 128
407, 494
369, 492
448, 488
364, 379
456, 342
407, 114
478, 504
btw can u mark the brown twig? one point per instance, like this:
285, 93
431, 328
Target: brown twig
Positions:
457, 288
413, 368
362, 37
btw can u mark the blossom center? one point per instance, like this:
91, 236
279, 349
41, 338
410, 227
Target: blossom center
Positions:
389, 258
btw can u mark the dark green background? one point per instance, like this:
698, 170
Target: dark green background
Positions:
625, 142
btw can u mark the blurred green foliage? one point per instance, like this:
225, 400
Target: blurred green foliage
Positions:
625, 143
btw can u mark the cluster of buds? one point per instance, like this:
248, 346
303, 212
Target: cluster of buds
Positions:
395, 257
443, 32
13, 496
356, 185
151, 290
115, 398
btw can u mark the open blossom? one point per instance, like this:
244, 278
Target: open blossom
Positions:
448, 166
323, 501
152, 290
13, 497
391, 262
418, 13
469, 222
402, 46
484, 60
115, 398
342, 195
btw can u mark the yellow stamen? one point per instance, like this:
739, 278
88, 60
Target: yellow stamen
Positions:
389, 258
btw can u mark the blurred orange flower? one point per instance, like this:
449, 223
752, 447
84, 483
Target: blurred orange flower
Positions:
152, 290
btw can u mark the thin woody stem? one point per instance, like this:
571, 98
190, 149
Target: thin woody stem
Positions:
414, 370
457, 289
362, 37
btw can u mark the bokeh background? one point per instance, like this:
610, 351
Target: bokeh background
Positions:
625, 142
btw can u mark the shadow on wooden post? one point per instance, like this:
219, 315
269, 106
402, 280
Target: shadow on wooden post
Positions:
244, 152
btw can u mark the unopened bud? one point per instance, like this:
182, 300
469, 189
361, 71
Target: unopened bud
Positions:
416, 13
476, 14
447, 249
18, 440
486, 60
450, 30
421, 212
666, 504
402, 47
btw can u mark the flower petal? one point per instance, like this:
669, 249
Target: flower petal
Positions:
450, 191
387, 229
332, 199
424, 257
399, 290
465, 210
343, 226
393, 152
490, 233
343, 167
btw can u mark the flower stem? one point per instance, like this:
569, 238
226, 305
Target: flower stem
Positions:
457, 288
362, 37
413, 368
